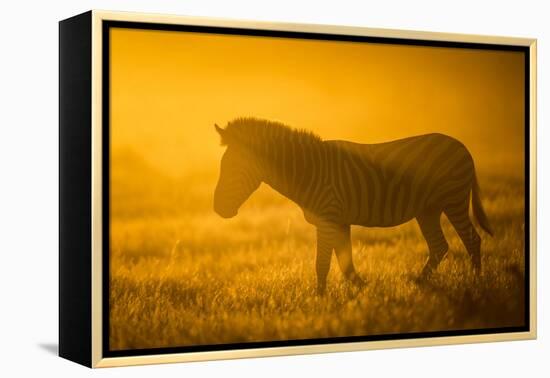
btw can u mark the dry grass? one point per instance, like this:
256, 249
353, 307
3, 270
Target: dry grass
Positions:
185, 277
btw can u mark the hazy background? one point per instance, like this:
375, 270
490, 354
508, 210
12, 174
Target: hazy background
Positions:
169, 88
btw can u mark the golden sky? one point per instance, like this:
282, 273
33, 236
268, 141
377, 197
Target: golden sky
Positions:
169, 88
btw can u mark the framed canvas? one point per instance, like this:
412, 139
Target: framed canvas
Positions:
237, 188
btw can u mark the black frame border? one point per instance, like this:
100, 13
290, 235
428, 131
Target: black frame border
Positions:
108, 24
75, 182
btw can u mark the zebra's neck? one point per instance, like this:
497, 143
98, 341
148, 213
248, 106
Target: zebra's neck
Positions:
293, 168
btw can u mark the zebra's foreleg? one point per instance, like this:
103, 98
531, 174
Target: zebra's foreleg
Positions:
430, 225
326, 237
344, 254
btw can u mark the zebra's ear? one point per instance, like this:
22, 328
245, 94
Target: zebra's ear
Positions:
219, 129
221, 132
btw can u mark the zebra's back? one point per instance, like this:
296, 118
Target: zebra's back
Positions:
389, 183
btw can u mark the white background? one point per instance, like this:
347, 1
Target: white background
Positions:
29, 188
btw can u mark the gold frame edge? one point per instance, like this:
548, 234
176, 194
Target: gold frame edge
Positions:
97, 253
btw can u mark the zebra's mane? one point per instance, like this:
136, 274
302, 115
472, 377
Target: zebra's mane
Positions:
255, 133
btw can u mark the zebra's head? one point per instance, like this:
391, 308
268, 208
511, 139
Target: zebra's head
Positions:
239, 176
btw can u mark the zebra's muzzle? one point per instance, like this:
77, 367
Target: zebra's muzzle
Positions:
225, 213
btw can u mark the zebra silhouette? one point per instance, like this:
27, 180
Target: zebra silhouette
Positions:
340, 183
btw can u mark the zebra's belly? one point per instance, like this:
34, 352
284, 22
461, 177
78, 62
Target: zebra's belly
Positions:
381, 222
386, 213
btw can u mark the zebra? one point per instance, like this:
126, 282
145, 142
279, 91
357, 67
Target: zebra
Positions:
341, 183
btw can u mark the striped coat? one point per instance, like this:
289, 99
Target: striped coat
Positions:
339, 183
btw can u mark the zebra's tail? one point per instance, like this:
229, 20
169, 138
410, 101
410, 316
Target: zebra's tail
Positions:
477, 207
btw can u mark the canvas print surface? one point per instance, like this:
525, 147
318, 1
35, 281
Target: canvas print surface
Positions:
274, 189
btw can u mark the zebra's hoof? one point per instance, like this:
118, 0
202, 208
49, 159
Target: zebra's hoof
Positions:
476, 265
321, 290
477, 272
423, 277
358, 282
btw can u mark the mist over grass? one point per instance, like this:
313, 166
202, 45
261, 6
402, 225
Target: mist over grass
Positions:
181, 275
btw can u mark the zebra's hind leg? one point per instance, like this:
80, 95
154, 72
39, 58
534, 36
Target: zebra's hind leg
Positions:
344, 255
460, 219
430, 226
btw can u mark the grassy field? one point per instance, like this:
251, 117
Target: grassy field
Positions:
180, 275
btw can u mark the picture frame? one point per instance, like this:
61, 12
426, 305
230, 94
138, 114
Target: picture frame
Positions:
87, 72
